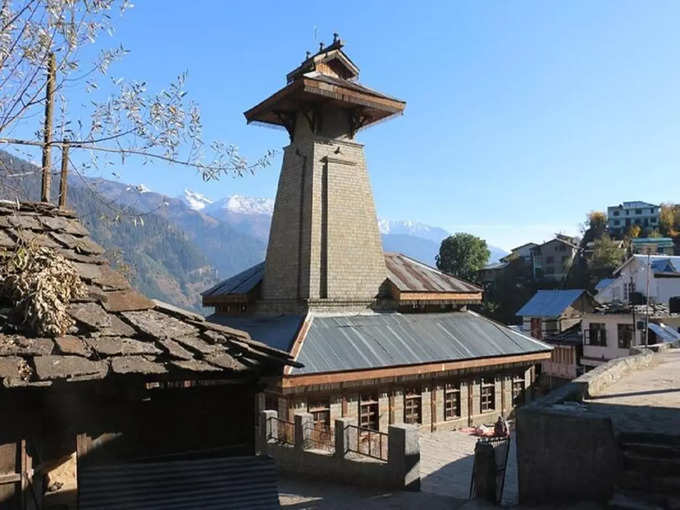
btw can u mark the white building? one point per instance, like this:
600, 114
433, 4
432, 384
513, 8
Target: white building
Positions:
610, 332
664, 279
621, 217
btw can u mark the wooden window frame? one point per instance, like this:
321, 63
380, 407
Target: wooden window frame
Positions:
413, 405
369, 412
600, 339
518, 390
452, 401
487, 395
321, 413
630, 332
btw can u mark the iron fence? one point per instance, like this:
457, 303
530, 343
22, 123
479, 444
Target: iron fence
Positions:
368, 442
285, 430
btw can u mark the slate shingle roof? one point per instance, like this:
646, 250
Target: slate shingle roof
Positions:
118, 332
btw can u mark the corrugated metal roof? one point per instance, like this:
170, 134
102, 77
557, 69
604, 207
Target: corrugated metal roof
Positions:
355, 342
635, 204
549, 303
236, 482
241, 283
278, 331
409, 275
604, 283
666, 333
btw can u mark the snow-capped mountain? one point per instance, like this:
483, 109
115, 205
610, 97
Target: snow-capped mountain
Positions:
195, 200
239, 204
411, 228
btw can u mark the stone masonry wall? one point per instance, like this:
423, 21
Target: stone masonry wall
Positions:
324, 241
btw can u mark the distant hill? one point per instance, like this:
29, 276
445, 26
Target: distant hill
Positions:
158, 258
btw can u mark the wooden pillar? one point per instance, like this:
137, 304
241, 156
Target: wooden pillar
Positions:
47, 147
63, 183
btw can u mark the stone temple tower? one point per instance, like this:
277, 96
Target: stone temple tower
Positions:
324, 246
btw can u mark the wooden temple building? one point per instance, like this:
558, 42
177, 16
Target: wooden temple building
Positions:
139, 405
381, 338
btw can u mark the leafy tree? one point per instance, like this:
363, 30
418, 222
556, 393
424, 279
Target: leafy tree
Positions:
669, 220
511, 289
463, 255
633, 231
607, 256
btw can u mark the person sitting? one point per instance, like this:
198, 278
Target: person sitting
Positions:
501, 427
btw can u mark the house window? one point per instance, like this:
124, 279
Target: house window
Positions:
638, 211
628, 289
321, 414
550, 260
452, 401
597, 334
518, 391
625, 332
368, 412
488, 395
616, 213
412, 406
617, 222
536, 328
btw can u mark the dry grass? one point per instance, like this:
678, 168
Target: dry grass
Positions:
40, 284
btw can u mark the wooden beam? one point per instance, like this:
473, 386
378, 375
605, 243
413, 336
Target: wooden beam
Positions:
291, 381
439, 296
10, 478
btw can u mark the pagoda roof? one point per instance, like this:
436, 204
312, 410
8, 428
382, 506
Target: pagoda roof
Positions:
315, 88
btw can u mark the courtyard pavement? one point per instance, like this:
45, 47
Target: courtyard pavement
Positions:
445, 471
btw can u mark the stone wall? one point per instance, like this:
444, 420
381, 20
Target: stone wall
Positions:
565, 450
324, 244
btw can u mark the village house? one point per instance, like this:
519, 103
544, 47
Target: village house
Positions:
491, 272
136, 391
554, 316
524, 252
653, 246
552, 259
565, 362
550, 312
632, 277
382, 338
623, 216
609, 331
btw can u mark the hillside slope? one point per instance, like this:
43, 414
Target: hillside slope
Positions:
158, 257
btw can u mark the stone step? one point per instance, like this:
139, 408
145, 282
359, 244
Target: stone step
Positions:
652, 449
649, 438
630, 501
651, 465
637, 481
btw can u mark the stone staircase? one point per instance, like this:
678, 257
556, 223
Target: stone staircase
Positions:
650, 478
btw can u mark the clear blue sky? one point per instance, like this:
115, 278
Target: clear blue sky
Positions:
521, 116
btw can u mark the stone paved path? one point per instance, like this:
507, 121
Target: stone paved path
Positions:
446, 465
645, 400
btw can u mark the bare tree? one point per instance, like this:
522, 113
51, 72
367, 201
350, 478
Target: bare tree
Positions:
40, 43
